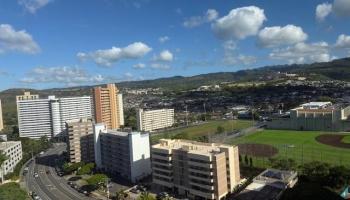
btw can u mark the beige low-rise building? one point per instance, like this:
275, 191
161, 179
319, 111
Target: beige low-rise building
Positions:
196, 170
81, 141
13, 151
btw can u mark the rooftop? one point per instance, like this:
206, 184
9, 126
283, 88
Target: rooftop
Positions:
191, 146
121, 133
5, 145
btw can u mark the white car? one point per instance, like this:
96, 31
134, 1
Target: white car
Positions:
36, 175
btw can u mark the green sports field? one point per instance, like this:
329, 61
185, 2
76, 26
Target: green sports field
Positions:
300, 146
204, 129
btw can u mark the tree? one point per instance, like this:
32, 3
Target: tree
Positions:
121, 195
3, 158
250, 162
12, 191
96, 180
86, 169
283, 164
246, 160
146, 196
71, 167
220, 129
240, 158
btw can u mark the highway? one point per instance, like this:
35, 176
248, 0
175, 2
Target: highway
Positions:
48, 185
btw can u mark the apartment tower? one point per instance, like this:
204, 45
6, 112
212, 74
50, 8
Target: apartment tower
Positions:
108, 106
80, 140
150, 120
196, 170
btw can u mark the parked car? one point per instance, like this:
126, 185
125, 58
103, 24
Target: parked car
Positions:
36, 175
162, 195
134, 190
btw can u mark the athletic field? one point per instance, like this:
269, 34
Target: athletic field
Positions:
301, 146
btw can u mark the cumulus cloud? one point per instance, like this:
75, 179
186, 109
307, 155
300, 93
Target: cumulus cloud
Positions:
163, 39
340, 8
343, 41
239, 23
106, 57
65, 75
303, 53
33, 5
276, 36
164, 56
195, 21
323, 10
139, 66
20, 41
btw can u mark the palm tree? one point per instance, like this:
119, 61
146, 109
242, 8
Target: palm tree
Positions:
3, 158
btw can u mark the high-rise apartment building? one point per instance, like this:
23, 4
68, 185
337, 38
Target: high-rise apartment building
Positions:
13, 150
122, 153
27, 96
196, 170
47, 117
1, 121
81, 140
108, 106
150, 120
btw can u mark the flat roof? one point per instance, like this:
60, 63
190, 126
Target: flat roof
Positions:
266, 192
317, 104
191, 146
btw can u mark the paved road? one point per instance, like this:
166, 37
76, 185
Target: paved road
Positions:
48, 185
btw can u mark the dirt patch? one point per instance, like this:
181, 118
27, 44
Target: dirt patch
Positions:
257, 150
333, 140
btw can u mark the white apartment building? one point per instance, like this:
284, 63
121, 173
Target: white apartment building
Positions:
1, 122
151, 120
13, 150
120, 109
122, 153
47, 117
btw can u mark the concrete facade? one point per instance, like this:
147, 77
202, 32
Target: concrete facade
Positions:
13, 150
108, 106
47, 117
150, 120
81, 141
194, 169
121, 153
315, 116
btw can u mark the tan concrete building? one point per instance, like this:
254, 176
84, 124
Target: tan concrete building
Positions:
196, 170
315, 116
1, 121
27, 96
150, 120
81, 141
108, 106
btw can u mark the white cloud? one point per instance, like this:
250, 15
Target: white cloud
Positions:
323, 10
343, 41
276, 36
303, 53
164, 56
12, 40
247, 60
195, 21
139, 66
239, 23
33, 5
69, 76
163, 39
341, 8
161, 66
106, 57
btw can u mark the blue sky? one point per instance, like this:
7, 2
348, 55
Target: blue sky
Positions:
59, 43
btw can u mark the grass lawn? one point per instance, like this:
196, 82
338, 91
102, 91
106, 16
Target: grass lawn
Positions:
346, 139
205, 129
300, 146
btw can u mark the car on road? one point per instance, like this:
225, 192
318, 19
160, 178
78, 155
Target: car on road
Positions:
36, 175
35, 196
162, 195
135, 190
